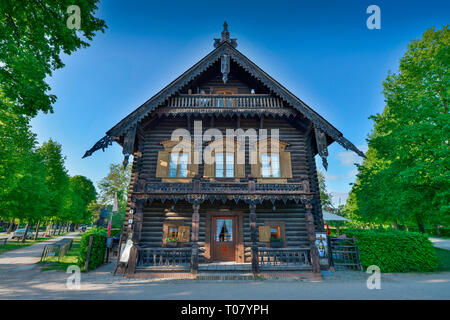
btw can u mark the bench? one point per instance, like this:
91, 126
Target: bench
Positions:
3, 241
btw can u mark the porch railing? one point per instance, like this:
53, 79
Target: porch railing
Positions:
284, 258
225, 101
167, 258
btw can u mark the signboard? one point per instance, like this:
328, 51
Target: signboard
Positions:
322, 248
264, 233
126, 251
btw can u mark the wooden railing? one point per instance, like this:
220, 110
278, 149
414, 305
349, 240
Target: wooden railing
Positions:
226, 188
284, 258
166, 258
226, 101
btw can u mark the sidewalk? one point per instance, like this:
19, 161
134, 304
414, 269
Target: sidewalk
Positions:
26, 257
441, 243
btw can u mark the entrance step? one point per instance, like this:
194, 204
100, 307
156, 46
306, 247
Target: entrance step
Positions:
225, 276
224, 267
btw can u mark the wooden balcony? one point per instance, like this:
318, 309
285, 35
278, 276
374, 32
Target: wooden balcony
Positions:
225, 101
227, 188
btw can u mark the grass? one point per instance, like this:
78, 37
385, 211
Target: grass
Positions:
71, 257
443, 259
18, 244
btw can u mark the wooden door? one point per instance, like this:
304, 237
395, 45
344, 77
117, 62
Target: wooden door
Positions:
224, 238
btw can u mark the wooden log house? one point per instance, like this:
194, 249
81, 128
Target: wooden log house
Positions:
183, 215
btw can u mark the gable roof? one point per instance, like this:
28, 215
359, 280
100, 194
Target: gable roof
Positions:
225, 47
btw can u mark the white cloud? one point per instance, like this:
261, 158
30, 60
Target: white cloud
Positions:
349, 158
338, 197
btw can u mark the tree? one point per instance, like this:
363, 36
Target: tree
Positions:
34, 33
57, 180
79, 195
406, 176
23, 189
325, 196
117, 180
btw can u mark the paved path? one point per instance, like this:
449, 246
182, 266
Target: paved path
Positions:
100, 284
20, 278
26, 257
441, 243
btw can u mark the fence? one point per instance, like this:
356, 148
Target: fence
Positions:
344, 254
59, 248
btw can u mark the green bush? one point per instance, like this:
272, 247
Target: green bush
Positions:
115, 232
395, 250
98, 247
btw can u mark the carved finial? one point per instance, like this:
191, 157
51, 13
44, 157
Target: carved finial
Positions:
225, 32
225, 37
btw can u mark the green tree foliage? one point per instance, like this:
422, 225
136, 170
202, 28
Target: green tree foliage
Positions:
117, 180
79, 195
406, 176
23, 189
34, 33
57, 179
325, 196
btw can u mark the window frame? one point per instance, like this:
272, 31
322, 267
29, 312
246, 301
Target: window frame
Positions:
270, 165
224, 170
282, 226
180, 155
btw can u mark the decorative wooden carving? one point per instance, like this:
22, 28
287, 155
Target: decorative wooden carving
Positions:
322, 146
225, 67
103, 143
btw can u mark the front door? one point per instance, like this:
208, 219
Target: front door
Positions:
224, 238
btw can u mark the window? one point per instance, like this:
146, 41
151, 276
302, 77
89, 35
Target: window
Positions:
224, 230
173, 232
178, 165
270, 165
224, 165
275, 232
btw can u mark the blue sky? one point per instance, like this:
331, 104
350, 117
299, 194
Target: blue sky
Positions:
322, 51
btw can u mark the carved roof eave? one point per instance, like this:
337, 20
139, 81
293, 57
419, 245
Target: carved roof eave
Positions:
320, 123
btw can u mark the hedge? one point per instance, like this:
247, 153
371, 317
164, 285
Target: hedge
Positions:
395, 250
115, 232
98, 247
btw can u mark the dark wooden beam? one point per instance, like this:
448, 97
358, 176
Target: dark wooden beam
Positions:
253, 237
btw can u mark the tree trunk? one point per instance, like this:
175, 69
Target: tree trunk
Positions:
438, 232
420, 224
10, 227
60, 227
17, 226
25, 233
37, 230
396, 226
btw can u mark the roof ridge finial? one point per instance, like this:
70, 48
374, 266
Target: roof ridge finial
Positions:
225, 37
225, 32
